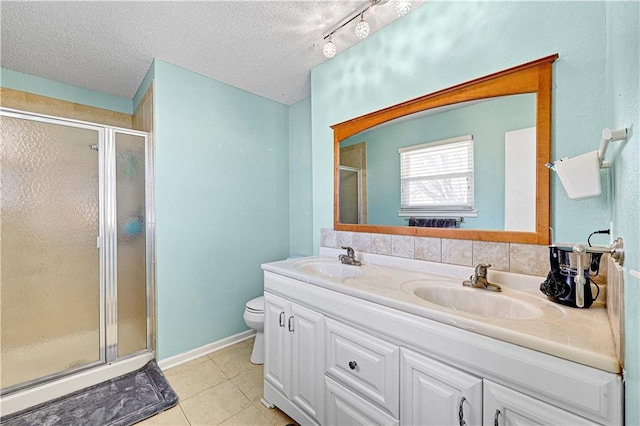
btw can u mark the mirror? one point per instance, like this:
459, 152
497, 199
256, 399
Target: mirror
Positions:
498, 128
502, 133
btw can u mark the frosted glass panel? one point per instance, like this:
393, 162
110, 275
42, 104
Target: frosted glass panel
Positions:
49, 281
349, 199
130, 195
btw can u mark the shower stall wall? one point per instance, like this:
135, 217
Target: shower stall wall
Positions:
76, 248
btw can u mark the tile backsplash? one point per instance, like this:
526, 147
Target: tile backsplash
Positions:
528, 259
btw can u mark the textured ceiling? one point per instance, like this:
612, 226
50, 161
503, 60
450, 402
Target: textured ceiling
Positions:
264, 47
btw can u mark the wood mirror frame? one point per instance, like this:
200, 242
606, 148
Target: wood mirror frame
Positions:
532, 77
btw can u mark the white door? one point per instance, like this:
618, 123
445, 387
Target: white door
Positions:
433, 393
276, 343
306, 332
507, 407
520, 180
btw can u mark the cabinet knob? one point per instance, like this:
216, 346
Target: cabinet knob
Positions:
495, 418
353, 365
461, 421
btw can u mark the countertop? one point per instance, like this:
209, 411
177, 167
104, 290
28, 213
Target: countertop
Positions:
580, 335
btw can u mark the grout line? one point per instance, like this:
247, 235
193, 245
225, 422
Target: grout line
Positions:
224, 420
242, 410
184, 414
204, 390
260, 412
222, 370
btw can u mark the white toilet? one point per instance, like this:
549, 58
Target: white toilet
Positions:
254, 318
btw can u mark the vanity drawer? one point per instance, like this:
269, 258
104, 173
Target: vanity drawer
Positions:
367, 365
346, 408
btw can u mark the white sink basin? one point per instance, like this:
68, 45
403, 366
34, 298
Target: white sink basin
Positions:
478, 302
330, 269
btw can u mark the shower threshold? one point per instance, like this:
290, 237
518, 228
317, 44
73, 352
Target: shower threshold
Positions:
36, 395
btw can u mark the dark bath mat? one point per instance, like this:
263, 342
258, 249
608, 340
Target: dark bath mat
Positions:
125, 400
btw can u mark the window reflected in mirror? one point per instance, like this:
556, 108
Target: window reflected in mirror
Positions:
436, 178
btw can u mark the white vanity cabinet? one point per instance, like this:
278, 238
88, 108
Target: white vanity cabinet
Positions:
433, 393
294, 361
338, 359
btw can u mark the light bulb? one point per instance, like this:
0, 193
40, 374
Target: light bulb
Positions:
329, 49
403, 7
363, 28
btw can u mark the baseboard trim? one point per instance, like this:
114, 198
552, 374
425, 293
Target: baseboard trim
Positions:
176, 360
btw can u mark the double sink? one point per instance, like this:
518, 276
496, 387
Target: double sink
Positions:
519, 314
444, 292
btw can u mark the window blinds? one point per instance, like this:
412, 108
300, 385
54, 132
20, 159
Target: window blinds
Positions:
437, 176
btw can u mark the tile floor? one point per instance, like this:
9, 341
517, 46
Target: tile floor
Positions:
222, 388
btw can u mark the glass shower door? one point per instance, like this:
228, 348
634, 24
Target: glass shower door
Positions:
350, 198
131, 193
49, 259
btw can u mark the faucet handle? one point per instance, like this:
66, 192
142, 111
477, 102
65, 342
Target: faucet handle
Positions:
350, 251
481, 269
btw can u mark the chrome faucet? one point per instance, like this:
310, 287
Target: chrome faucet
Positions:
479, 279
349, 258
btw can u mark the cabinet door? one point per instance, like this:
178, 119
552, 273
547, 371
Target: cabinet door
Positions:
276, 342
433, 393
507, 407
346, 408
307, 360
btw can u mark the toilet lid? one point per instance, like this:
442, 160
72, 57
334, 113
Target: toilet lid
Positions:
256, 305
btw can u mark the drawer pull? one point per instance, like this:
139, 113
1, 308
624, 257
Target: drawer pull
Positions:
291, 324
461, 421
281, 319
353, 365
495, 418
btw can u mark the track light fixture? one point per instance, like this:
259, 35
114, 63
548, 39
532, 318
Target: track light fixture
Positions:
362, 28
329, 49
402, 7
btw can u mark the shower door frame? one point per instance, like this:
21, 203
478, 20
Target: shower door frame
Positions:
106, 242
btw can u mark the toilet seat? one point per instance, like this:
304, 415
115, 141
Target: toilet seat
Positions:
256, 305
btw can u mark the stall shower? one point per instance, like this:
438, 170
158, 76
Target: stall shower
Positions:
76, 247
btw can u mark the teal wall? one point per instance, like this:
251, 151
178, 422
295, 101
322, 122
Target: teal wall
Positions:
222, 200
300, 201
66, 92
623, 96
441, 44
487, 122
